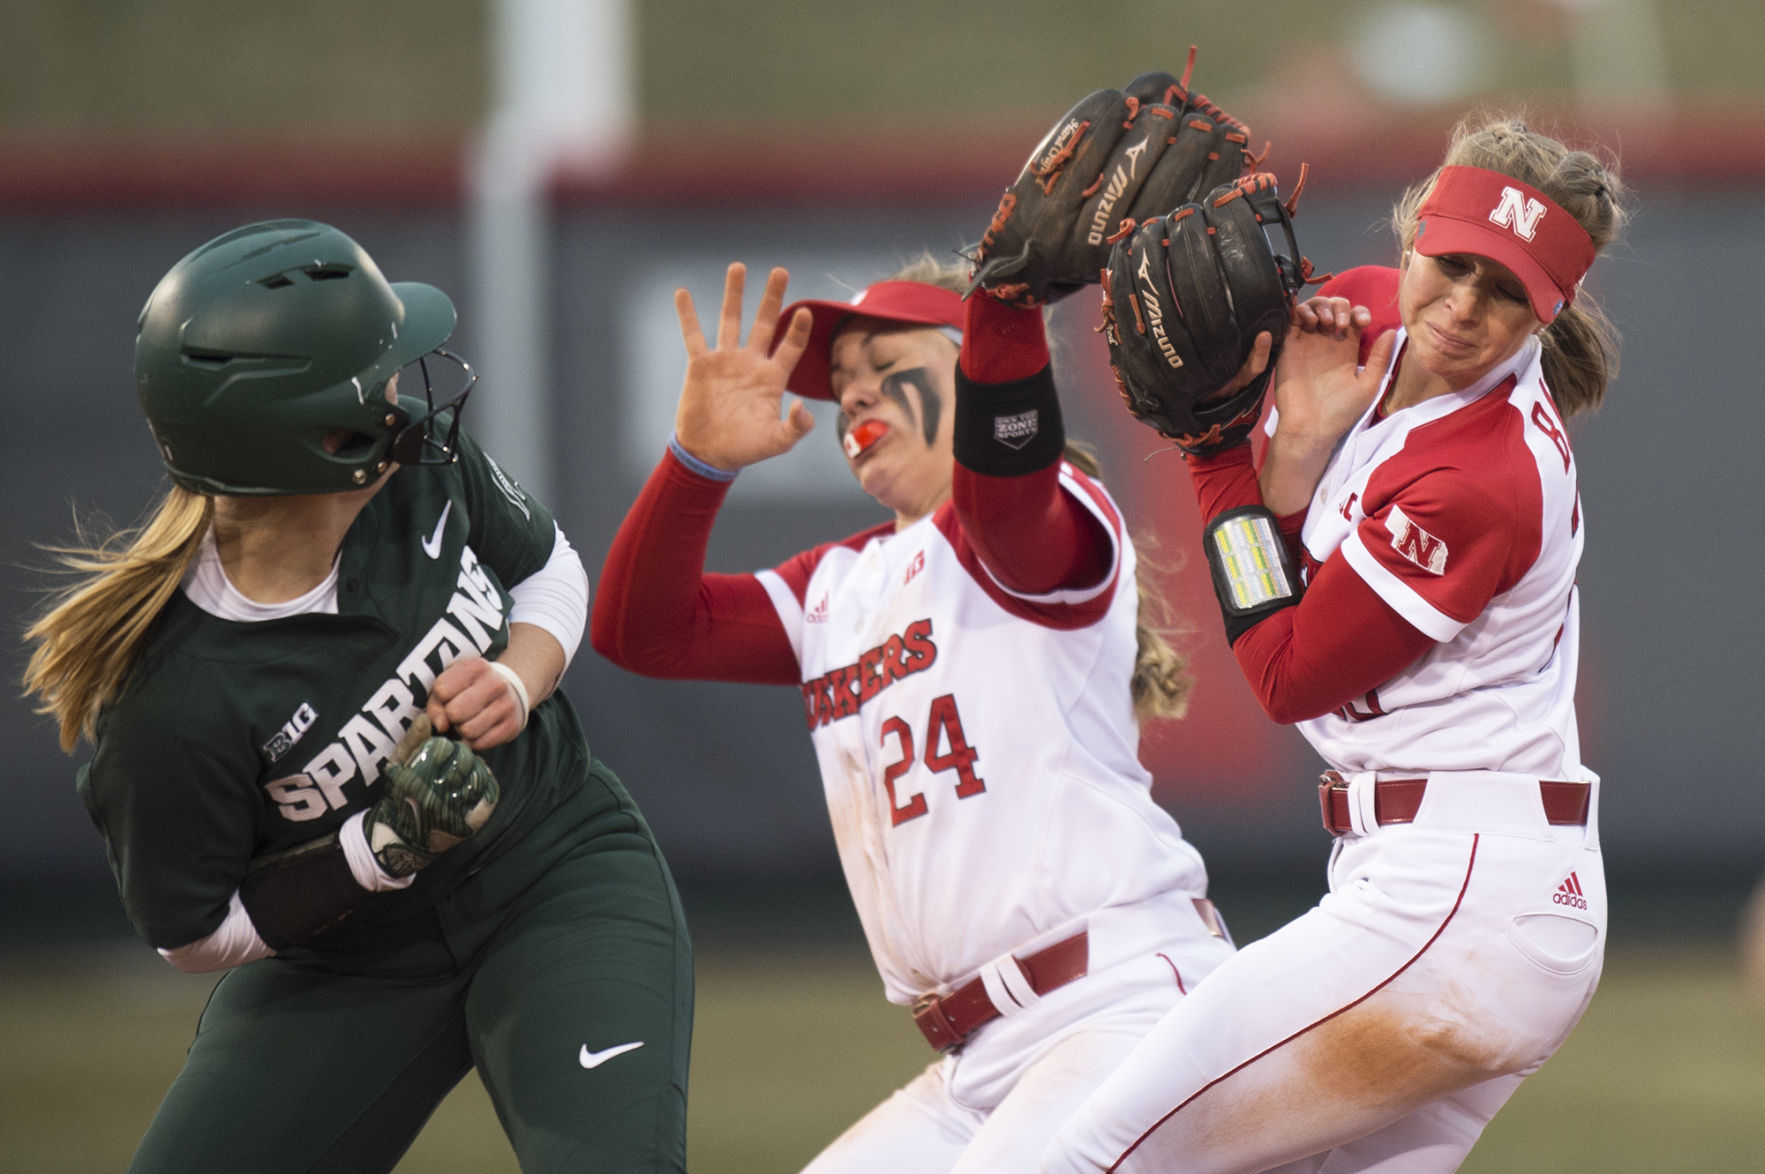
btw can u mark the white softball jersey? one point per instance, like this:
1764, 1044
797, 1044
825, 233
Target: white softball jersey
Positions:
978, 748
1462, 514
1458, 948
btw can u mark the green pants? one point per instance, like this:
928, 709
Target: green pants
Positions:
299, 1065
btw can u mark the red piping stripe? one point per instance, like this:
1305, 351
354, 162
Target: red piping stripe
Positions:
1457, 901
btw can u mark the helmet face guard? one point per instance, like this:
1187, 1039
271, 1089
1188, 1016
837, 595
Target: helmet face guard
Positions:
433, 437
257, 352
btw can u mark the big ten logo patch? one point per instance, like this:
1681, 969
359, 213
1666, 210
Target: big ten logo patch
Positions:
914, 567
283, 740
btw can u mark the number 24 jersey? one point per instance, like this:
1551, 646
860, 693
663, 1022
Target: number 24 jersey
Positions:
978, 748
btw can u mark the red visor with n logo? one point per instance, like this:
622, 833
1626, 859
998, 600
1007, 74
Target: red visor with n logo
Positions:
1488, 214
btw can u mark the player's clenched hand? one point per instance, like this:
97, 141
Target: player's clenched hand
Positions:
730, 404
1321, 389
435, 793
475, 703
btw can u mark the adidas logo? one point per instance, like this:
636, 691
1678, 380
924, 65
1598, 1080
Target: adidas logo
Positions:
818, 613
1569, 893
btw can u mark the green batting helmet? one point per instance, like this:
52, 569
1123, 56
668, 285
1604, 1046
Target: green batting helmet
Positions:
266, 340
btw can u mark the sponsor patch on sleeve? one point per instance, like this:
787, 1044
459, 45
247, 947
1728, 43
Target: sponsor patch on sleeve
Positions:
1415, 543
1017, 430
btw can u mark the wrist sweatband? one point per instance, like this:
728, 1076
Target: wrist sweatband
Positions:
1253, 574
1008, 429
514, 679
696, 465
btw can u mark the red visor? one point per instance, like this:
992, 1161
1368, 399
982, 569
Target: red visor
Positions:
911, 303
1488, 214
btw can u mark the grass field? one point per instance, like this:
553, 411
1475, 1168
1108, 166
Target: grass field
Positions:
1666, 1073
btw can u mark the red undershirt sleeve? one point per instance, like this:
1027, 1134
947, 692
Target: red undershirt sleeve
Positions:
1032, 535
1340, 641
656, 611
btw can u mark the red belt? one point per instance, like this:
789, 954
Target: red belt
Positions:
1398, 800
949, 1019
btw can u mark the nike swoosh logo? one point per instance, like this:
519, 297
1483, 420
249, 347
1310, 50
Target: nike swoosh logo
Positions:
590, 1059
432, 544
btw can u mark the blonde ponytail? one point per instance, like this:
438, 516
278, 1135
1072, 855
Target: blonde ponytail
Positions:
1161, 680
91, 631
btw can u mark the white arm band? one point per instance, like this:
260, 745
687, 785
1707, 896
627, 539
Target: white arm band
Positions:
362, 864
514, 679
233, 943
555, 597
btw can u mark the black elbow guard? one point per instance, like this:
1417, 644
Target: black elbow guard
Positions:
1008, 429
1253, 573
293, 895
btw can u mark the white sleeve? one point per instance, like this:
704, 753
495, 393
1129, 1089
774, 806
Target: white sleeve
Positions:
234, 943
555, 597
353, 838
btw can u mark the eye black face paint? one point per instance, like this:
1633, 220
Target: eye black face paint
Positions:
895, 385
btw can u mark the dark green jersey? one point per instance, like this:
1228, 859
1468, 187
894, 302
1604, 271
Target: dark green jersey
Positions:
233, 740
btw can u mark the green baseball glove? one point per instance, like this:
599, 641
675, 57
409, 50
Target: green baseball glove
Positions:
435, 794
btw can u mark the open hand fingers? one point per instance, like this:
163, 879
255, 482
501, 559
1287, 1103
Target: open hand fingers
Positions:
690, 332
729, 325
766, 315
795, 340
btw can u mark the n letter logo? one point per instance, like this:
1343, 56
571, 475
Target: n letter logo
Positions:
1415, 543
1518, 213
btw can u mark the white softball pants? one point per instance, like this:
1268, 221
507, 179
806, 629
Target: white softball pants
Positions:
991, 1107
1383, 1029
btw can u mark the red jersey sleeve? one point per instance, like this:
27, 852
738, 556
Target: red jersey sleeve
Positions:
656, 611
1034, 537
1456, 524
1338, 642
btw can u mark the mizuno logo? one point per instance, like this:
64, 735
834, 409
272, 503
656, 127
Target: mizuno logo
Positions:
432, 544
1155, 312
590, 1059
1118, 183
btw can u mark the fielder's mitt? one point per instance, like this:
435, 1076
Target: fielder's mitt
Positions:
1184, 298
1117, 157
